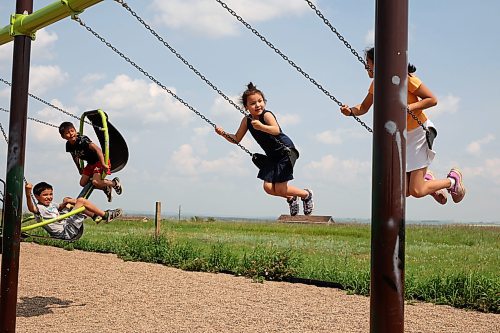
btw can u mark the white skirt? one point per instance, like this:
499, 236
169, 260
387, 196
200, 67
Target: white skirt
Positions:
418, 154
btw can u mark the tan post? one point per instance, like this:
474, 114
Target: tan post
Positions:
157, 219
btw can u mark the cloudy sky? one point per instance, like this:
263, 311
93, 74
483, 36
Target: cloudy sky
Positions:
175, 156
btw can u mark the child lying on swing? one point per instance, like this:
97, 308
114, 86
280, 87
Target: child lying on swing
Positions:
68, 228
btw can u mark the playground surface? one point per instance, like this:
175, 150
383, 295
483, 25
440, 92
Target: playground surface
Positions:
76, 291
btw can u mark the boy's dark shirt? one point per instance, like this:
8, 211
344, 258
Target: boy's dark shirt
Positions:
81, 149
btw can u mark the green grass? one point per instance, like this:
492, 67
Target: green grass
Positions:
454, 265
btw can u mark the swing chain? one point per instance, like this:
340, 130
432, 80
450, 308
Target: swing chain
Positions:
52, 106
339, 36
191, 67
360, 59
36, 120
149, 76
299, 69
24, 178
179, 56
416, 119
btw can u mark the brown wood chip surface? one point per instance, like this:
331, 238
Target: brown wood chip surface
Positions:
75, 291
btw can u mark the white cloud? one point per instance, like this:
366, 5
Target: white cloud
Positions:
489, 170
203, 131
329, 137
137, 101
333, 169
49, 135
213, 20
43, 44
474, 147
93, 77
222, 109
492, 169
41, 47
44, 78
184, 160
187, 163
338, 136
370, 37
288, 119
6, 54
5, 93
446, 104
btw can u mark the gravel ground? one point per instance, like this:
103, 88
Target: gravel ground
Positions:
75, 291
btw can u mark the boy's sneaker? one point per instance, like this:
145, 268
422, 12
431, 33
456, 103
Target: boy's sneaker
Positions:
294, 205
108, 191
308, 203
118, 186
440, 196
113, 214
458, 190
97, 219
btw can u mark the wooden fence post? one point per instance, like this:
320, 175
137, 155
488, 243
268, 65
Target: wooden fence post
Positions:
157, 219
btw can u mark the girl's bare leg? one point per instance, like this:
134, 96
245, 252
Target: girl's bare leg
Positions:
419, 187
284, 190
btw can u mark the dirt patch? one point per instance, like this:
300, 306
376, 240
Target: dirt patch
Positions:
75, 291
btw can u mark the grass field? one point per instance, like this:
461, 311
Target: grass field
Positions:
451, 264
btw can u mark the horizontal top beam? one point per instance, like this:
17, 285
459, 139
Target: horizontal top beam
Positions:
29, 24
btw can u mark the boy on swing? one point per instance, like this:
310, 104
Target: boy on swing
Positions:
82, 148
69, 227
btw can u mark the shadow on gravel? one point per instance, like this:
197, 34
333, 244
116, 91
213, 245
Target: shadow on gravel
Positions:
38, 305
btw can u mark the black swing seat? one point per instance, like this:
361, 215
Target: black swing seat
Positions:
118, 150
25, 235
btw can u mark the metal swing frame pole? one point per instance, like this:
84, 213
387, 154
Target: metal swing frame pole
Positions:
389, 167
15, 175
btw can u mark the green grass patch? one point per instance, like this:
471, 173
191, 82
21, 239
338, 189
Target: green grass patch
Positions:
454, 265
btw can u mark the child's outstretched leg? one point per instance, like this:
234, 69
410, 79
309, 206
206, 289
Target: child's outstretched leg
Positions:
421, 183
107, 185
291, 193
440, 195
96, 213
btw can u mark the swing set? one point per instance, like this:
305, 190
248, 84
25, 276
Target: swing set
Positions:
118, 156
257, 158
104, 130
73, 8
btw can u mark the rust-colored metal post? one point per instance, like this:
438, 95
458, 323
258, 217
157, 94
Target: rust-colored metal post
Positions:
15, 174
389, 167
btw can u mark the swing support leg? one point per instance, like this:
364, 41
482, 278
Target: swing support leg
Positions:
15, 174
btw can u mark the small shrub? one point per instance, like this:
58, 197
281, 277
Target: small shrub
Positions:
269, 264
220, 259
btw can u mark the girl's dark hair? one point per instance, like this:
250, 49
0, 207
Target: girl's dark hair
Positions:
40, 187
251, 89
370, 54
65, 126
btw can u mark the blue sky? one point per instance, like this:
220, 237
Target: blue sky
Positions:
175, 156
